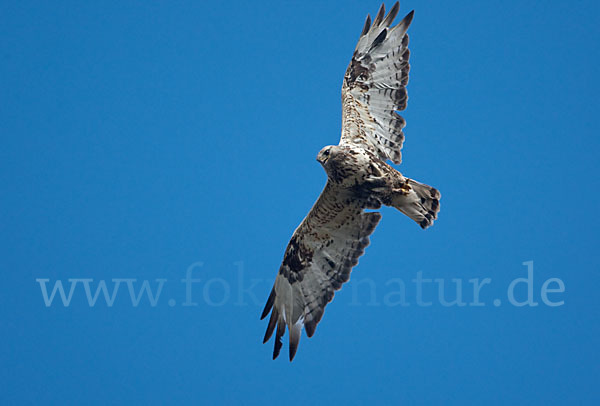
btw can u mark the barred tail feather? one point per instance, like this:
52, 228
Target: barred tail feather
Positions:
420, 202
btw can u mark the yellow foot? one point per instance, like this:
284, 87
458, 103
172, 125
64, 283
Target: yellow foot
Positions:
405, 188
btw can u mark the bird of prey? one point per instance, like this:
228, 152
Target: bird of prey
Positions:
334, 234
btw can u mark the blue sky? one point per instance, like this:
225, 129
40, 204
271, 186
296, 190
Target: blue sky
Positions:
140, 139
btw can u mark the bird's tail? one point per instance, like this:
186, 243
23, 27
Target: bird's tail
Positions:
418, 201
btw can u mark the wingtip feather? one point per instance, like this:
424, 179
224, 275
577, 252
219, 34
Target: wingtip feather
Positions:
409, 17
271, 326
366, 26
269, 304
294, 339
392, 14
278, 335
379, 16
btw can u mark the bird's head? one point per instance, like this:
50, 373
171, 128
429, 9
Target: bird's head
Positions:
326, 153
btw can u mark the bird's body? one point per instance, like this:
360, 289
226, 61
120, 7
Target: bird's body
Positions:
327, 244
359, 175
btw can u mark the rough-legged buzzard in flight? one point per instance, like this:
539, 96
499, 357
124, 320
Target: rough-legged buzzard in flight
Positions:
334, 234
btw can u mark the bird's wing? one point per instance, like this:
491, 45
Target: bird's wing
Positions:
317, 261
374, 87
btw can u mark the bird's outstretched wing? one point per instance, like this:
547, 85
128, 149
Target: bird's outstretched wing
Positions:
317, 261
374, 87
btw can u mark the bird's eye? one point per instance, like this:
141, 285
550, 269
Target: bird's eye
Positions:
326, 152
